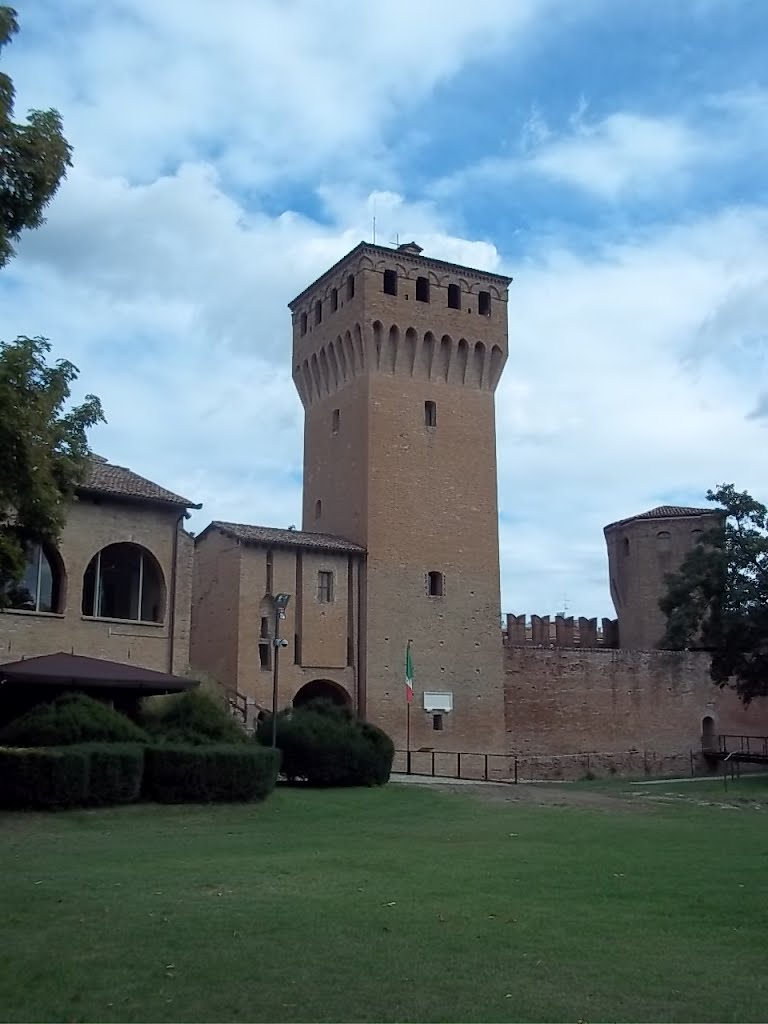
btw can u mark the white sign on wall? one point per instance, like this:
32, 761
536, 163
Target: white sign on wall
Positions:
438, 700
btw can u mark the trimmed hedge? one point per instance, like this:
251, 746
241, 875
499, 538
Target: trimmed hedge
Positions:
41, 778
69, 719
193, 717
115, 772
202, 774
325, 745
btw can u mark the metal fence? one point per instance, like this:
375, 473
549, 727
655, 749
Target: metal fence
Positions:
457, 764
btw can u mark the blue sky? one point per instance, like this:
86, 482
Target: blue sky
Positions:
609, 156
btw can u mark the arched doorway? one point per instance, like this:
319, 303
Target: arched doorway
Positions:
708, 733
322, 689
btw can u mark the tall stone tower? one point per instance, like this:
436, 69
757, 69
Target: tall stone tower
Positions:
396, 358
641, 551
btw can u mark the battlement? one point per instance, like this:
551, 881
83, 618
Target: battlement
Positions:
564, 631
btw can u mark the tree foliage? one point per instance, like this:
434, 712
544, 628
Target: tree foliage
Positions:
44, 449
718, 600
34, 157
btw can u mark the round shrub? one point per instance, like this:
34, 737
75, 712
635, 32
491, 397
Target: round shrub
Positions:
43, 779
325, 745
69, 719
202, 774
193, 718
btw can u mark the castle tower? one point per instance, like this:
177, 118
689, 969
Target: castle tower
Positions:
396, 358
641, 551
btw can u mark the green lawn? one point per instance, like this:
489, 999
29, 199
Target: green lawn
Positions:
398, 904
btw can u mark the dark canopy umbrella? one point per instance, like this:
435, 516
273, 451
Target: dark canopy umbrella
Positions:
90, 673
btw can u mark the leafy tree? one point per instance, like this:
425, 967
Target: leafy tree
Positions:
34, 157
44, 449
718, 600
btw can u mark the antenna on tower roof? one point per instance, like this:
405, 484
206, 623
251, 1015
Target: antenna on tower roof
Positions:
374, 220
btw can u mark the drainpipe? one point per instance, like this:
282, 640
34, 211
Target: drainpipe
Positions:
172, 595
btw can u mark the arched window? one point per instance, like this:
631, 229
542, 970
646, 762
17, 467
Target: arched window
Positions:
454, 296
303, 323
435, 584
708, 732
390, 282
351, 286
663, 541
41, 588
334, 299
124, 581
319, 311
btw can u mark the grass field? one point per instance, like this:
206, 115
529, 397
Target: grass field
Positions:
402, 904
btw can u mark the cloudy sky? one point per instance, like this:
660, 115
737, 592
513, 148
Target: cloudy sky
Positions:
609, 155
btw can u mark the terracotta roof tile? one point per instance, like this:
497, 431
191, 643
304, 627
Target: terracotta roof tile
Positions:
665, 512
116, 481
286, 538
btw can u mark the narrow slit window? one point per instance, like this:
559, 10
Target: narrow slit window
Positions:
454, 296
351, 286
268, 587
334, 300
390, 282
264, 643
318, 508
335, 418
303, 322
319, 311
422, 289
484, 303
435, 584
430, 414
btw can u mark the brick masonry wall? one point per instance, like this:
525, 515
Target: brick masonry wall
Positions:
634, 711
216, 608
91, 526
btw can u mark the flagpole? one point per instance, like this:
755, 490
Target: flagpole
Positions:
408, 699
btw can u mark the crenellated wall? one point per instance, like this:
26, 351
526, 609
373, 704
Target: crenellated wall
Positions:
564, 631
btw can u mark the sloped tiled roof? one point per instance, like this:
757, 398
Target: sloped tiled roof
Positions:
102, 477
284, 538
665, 512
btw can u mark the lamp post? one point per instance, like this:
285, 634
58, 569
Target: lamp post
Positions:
281, 603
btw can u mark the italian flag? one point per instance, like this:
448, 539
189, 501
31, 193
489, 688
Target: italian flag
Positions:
408, 674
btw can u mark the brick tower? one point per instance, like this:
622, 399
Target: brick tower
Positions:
396, 358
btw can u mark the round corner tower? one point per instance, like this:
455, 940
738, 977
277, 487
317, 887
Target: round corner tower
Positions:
641, 551
396, 358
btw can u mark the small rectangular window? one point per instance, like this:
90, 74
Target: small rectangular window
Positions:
390, 282
264, 643
335, 421
435, 584
325, 587
437, 723
351, 286
484, 303
334, 299
430, 414
454, 296
303, 321
319, 311
422, 289
269, 584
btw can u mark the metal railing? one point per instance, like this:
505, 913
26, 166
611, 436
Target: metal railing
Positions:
756, 746
458, 764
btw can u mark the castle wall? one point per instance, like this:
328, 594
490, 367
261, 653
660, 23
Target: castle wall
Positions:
632, 712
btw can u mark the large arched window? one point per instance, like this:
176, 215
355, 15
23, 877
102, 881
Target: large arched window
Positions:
124, 581
41, 588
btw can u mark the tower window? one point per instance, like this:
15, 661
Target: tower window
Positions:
318, 508
484, 303
303, 322
422, 289
335, 421
264, 644
325, 587
318, 311
351, 286
430, 414
435, 584
454, 296
390, 282
437, 723
268, 587
334, 299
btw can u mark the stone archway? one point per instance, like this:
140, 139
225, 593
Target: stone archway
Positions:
708, 733
322, 689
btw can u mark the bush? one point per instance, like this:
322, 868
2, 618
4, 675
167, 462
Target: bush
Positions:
115, 772
325, 745
201, 774
40, 778
193, 718
69, 719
